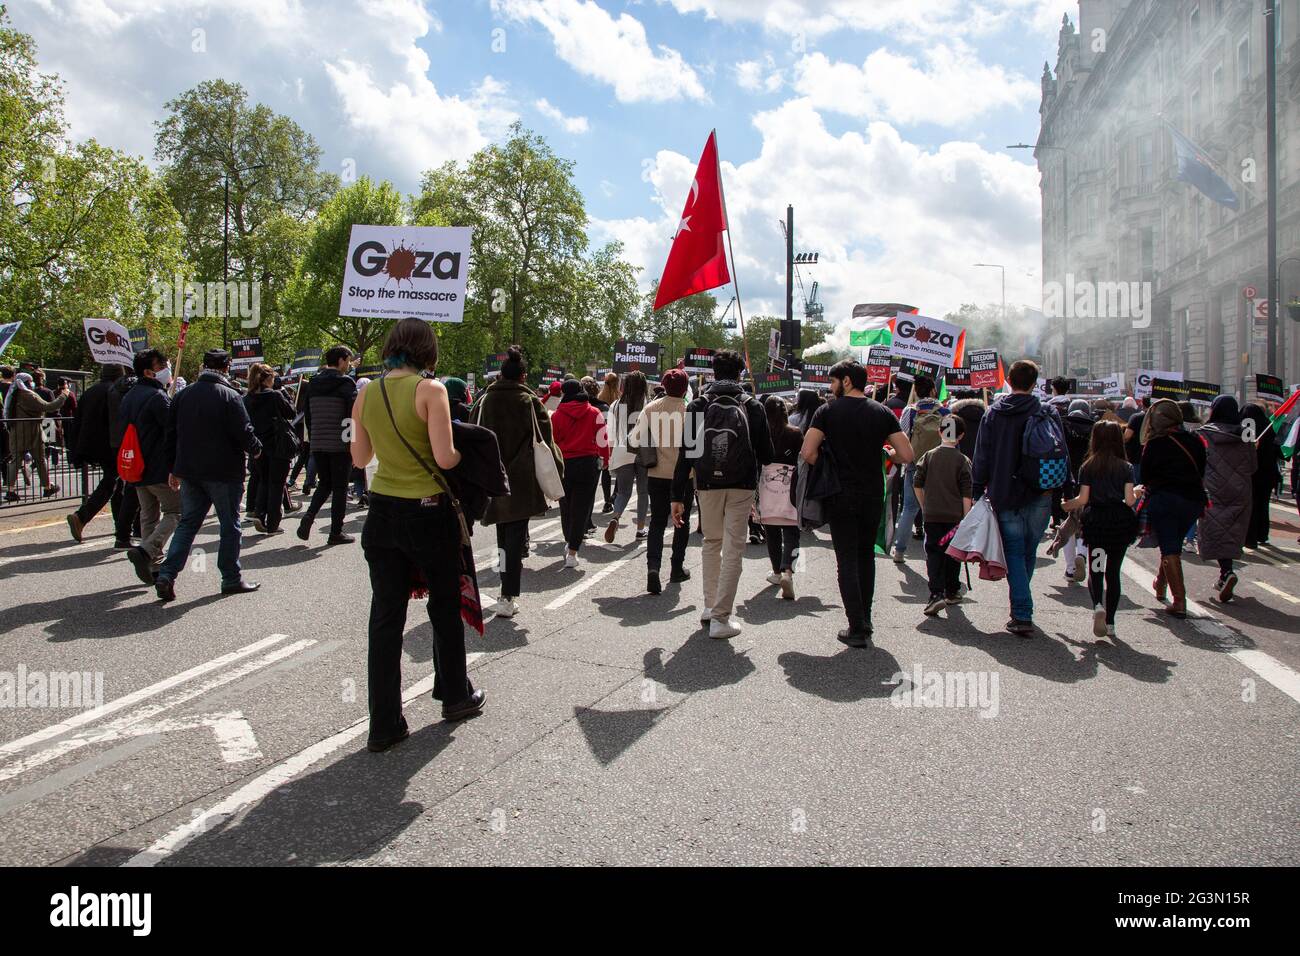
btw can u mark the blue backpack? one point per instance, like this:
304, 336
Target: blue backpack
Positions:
1044, 456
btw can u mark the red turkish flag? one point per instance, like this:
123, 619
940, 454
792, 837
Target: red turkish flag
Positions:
696, 261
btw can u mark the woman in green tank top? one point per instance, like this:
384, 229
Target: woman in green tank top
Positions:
411, 531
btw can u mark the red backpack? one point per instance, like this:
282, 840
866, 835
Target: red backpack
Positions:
130, 461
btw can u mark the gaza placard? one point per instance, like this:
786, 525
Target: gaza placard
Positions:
396, 272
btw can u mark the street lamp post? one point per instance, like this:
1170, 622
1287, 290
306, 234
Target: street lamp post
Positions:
225, 250
1065, 246
994, 265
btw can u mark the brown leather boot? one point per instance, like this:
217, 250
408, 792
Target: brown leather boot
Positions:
1173, 568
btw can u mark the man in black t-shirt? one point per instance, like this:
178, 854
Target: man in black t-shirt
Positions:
855, 429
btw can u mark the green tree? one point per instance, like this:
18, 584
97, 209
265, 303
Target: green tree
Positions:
84, 230
212, 137
313, 294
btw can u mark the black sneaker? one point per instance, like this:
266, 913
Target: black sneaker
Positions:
304, 529
340, 539
1021, 628
122, 544
679, 574
143, 564
937, 603
652, 584
471, 706
854, 638
165, 590
1226, 586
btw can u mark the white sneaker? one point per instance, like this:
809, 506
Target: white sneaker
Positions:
1080, 567
722, 629
774, 578
506, 607
570, 559
787, 585
899, 557
1099, 621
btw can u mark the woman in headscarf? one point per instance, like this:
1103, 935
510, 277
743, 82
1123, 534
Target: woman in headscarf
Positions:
1229, 471
23, 411
1266, 459
1173, 481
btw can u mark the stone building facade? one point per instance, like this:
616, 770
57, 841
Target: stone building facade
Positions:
1123, 75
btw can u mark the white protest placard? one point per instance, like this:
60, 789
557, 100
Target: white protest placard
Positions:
1145, 376
7, 332
395, 272
928, 340
109, 342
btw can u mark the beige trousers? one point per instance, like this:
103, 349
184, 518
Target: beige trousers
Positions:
724, 518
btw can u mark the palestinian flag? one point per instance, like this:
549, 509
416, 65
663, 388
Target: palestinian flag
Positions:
1291, 440
1280, 416
876, 331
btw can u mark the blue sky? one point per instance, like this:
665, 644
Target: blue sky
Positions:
883, 121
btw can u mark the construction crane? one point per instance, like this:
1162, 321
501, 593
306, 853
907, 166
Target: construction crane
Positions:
813, 308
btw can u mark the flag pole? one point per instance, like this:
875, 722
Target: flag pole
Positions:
740, 311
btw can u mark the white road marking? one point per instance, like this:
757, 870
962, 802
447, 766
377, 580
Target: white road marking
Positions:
1260, 553
1266, 666
144, 693
594, 579
262, 786
231, 728
148, 712
57, 549
1272, 590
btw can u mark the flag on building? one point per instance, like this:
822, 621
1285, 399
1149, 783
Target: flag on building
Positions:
1196, 169
697, 261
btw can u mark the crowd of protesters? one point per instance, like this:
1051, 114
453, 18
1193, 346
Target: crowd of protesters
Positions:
428, 461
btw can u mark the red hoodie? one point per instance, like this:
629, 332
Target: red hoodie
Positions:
579, 430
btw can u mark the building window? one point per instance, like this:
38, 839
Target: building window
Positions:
1216, 91
1146, 158
1147, 350
1243, 62
1094, 213
1194, 24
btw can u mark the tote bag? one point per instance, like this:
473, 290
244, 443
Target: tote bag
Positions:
774, 504
548, 473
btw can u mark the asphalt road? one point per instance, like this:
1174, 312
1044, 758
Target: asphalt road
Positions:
233, 729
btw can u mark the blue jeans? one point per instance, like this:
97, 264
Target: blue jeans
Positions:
906, 517
197, 497
1022, 530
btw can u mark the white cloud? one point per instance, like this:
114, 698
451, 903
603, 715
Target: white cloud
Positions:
613, 51
952, 88
893, 221
351, 74
570, 124
756, 76
921, 18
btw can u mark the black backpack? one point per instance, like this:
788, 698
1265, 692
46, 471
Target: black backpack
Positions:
728, 459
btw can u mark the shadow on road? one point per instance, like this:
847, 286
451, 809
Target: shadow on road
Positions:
843, 678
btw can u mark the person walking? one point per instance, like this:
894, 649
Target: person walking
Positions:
734, 445
1108, 523
806, 404
146, 408
272, 416
922, 423
208, 436
579, 432
1078, 424
511, 411
1230, 465
1173, 483
662, 427
413, 529
1023, 509
93, 427
776, 491
330, 395
24, 410
856, 429
605, 398
1267, 456
943, 490
624, 460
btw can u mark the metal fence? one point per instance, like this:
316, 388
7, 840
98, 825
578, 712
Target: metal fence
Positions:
22, 481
